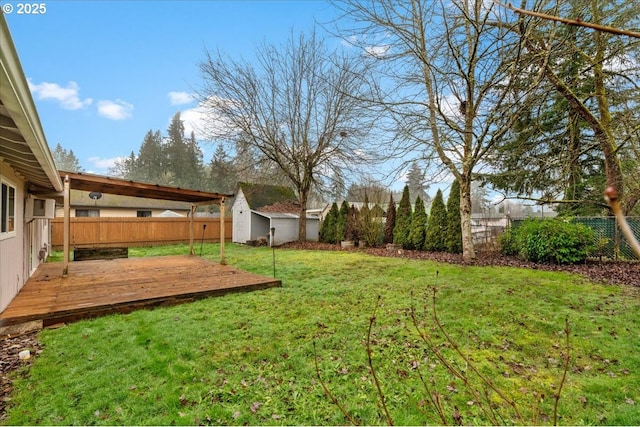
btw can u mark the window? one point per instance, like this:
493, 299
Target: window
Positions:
144, 214
93, 213
8, 206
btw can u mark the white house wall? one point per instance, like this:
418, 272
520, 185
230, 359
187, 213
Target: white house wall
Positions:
13, 253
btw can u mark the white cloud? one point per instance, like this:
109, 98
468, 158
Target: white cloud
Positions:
68, 97
115, 110
180, 98
104, 164
195, 120
205, 121
378, 51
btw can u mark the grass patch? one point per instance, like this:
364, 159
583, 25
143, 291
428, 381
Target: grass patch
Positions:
248, 358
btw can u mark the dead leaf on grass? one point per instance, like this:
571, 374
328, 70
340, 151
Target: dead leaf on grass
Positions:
255, 406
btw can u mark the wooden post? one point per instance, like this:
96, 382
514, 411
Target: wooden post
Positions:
223, 261
191, 230
66, 225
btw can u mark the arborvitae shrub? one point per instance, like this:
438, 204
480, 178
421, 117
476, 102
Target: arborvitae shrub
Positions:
391, 220
435, 238
341, 222
328, 229
454, 223
403, 220
418, 226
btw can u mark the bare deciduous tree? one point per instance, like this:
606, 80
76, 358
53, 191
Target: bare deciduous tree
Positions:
450, 79
296, 104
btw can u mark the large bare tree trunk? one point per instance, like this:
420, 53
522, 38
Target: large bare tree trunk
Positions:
468, 251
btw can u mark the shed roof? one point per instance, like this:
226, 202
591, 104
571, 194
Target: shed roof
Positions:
260, 196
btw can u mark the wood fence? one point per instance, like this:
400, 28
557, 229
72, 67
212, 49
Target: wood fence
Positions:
112, 232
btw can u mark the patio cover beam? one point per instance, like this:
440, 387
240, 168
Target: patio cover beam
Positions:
123, 187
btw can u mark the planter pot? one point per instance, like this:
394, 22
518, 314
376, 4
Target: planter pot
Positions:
347, 244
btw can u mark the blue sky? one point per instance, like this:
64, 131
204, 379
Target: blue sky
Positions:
103, 73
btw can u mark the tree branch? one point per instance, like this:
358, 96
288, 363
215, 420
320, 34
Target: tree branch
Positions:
577, 22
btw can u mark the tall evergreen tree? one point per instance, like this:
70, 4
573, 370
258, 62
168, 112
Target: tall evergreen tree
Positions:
454, 230
66, 160
435, 239
124, 167
417, 230
151, 161
403, 219
391, 220
222, 176
415, 181
193, 174
176, 149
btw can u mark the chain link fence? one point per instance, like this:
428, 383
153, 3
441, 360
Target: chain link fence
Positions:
610, 242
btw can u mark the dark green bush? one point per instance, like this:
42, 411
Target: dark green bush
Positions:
555, 241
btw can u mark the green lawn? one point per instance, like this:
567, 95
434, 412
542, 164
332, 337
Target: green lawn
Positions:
248, 358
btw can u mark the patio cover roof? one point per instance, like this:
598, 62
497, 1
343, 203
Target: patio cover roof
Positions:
109, 185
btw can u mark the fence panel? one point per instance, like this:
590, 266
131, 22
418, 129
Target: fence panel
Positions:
112, 232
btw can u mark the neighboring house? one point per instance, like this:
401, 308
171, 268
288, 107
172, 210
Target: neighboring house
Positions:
257, 208
96, 204
28, 177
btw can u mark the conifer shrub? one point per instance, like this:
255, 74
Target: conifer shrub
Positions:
403, 220
341, 221
454, 223
391, 220
328, 228
435, 238
418, 226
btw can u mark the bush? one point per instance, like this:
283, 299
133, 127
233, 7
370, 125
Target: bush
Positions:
507, 242
554, 241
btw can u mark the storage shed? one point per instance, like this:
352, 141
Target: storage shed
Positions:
259, 207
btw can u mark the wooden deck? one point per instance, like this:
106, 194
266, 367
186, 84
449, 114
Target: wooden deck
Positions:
95, 288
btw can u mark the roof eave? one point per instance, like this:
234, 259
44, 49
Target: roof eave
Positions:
17, 99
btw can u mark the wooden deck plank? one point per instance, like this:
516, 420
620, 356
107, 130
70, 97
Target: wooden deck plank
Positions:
99, 287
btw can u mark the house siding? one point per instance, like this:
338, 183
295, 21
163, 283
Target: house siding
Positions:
13, 252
